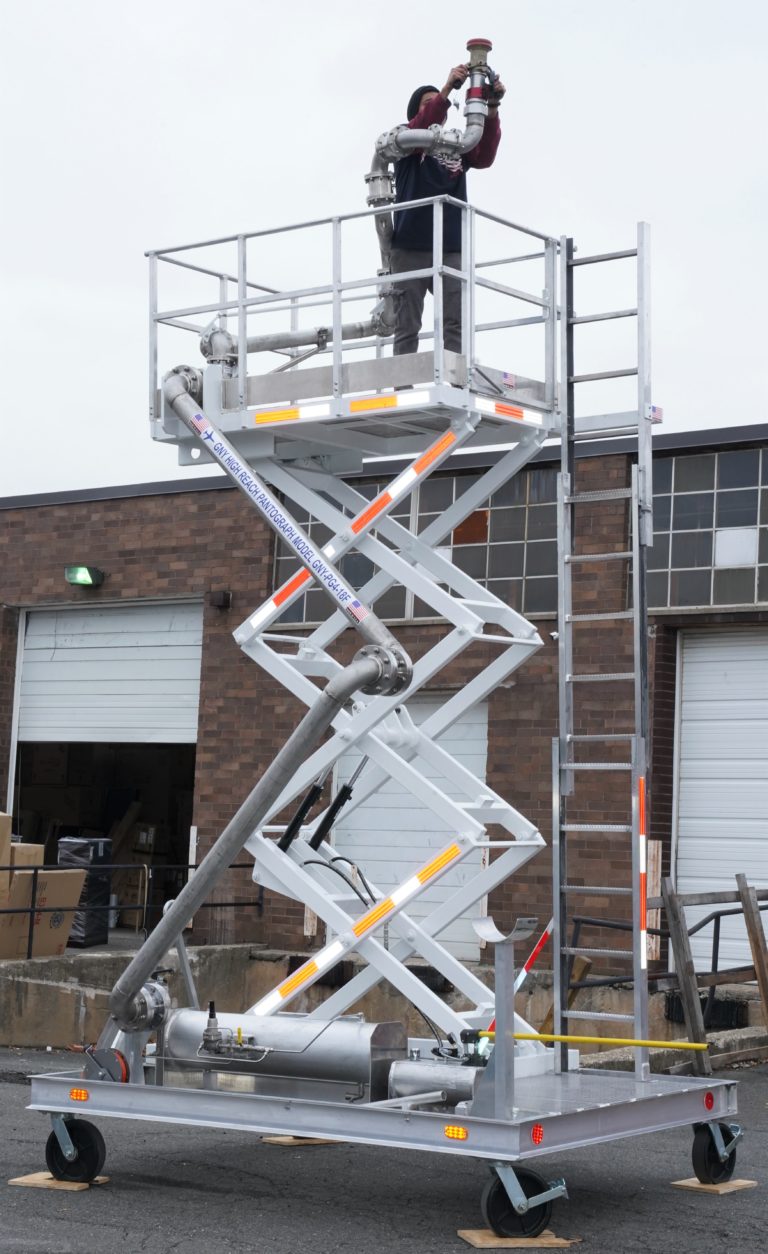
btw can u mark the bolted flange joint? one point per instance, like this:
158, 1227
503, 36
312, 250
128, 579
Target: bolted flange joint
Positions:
183, 379
395, 669
147, 1010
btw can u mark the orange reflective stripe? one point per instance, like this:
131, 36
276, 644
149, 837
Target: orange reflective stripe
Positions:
278, 415
510, 411
434, 452
641, 804
370, 919
372, 402
288, 589
373, 509
438, 863
643, 899
304, 973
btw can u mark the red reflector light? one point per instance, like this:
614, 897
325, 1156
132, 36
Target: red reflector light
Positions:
537, 1133
78, 1095
709, 1100
455, 1132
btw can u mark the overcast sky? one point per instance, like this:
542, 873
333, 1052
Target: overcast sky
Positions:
150, 124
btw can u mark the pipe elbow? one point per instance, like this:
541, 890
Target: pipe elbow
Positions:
183, 381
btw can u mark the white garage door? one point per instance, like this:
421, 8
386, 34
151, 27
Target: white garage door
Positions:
722, 808
119, 674
391, 835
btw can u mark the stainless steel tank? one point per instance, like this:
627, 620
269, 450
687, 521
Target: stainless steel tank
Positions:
344, 1058
411, 1076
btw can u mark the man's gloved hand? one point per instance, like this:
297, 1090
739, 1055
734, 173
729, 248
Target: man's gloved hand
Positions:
455, 79
496, 93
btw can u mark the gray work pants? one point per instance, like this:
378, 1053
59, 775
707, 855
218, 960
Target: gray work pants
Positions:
409, 300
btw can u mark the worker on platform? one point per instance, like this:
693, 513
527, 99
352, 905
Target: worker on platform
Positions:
417, 176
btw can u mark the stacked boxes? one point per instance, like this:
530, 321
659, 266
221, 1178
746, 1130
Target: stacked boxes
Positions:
58, 893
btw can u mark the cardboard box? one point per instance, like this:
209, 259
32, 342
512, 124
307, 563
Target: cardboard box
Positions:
5, 855
58, 893
26, 855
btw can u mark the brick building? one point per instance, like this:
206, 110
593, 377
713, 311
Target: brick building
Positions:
91, 722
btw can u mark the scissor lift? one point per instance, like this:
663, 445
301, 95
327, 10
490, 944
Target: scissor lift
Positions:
294, 440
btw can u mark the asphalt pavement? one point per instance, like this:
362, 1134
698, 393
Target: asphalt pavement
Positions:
211, 1192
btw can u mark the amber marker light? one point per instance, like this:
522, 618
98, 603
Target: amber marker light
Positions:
78, 1095
455, 1132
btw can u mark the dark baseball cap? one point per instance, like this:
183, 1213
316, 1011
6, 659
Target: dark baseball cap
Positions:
413, 103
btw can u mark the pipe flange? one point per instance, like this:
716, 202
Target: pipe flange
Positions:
181, 380
147, 1009
395, 670
218, 346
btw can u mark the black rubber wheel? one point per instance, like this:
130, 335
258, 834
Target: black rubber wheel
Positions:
706, 1160
91, 1153
501, 1216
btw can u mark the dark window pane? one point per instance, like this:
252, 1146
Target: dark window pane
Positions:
734, 587
662, 512
471, 558
657, 589
762, 545
319, 533
356, 569
541, 558
764, 476
540, 596
542, 485
505, 561
691, 548
464, 483
740, 469
293, 614
510, 591
542, 522
762, 583
422, 610
514, 492
658, 556
507, 524
474, 529
662, 474
318, 606
689, 587
425, 520
737, 509
436, 494
392, 603
764, 500
368, 490
695, 474
284, 568
693, 512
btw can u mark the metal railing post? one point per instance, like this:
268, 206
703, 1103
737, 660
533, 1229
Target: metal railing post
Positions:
437, 290
336, 279
242, 322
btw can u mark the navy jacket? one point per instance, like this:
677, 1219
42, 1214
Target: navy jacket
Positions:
420, 175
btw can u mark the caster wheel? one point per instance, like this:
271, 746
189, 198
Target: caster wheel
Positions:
501, 1216
706, 1160
91, 1153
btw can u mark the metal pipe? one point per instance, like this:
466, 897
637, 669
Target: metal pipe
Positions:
126, 1001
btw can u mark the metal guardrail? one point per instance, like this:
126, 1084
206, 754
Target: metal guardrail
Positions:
143, 904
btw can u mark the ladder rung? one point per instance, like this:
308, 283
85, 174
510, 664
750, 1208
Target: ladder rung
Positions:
593, 260
622, 555
597, 827
597, 953
613, 494
603, 374
603, 317
611, 736
599, 618
597, 890
611, 1016
599, 679
596, 766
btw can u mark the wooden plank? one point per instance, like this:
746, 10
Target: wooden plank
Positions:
298, 1142
757, 943
654, 887
670, 983
730, 1186
707, 899
484, 1239
44, 1180
581, 968
686, 974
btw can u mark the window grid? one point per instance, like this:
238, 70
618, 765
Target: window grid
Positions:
509, 545
710, 530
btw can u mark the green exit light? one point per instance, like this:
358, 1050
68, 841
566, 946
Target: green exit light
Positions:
84, 576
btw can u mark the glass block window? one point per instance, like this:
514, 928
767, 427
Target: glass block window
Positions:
509, 545
710, 518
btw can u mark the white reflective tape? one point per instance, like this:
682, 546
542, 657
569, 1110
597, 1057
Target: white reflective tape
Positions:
642, 852
330, 550
327, 957
531, 417
406, 890
412, 398
261, 615
643, 949
486, 407
402, 482
315, 411
268, 1003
